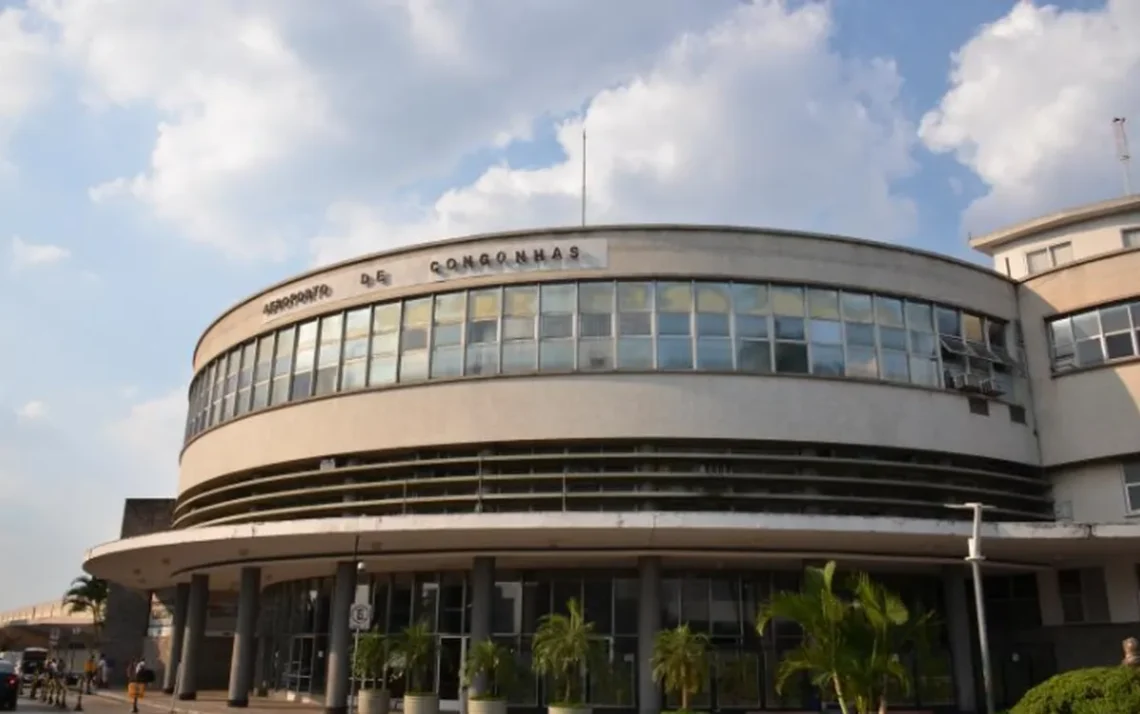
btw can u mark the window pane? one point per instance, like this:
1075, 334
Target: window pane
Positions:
595, 325
893, 338
823, 304
791, 358
675, 297
857, 307
635, 297
972, 327
894, 366
596, 297
1089, 352
483, 304
595, 355
519, 357
919, 316
417, 312
556, 355
827, 360
635, 323
674, 353
861, 362
1062, 253
1118, 345
713, 298
826, 332
482, 359
714, 355
712, 324
673, 323
751, 325
328, 355
413, 366
558, 298
789, 328
449, 307
447, 361
1086, 325
1115, 319
520, 301
949, 321
555, 326
788, 300
753, 356
635, 353
518, 328
750, 299
889, 311
1037, 261
860, 334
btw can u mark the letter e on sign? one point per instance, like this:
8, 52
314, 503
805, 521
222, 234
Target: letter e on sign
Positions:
360, 616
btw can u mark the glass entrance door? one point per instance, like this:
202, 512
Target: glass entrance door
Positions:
449, 672
299, 670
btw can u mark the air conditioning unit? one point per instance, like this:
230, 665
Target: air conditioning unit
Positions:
992, 388
966, 382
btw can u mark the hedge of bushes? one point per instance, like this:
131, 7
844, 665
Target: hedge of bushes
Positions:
1097, 690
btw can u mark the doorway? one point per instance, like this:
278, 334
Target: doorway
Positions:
449, 672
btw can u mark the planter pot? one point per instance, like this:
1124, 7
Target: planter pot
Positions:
486, 706
421, 704
373, 701
581, 709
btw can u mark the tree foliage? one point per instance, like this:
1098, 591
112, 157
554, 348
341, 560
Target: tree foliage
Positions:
1096, 690
852, 641
681, 662
563, 645
88, 594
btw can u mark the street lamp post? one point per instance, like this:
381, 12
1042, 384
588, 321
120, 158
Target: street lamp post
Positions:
975, 558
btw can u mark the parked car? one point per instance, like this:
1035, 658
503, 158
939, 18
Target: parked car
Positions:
9, 685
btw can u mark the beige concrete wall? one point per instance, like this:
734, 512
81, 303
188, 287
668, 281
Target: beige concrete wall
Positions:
1087, 414
1090, 239
637, 251
1090, 493
581, 406
1121, 587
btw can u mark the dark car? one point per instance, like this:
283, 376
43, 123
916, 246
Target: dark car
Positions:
9, 685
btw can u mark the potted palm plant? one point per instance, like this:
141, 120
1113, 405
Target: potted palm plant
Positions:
372, 664
681, 662
563, 645
489, 673
415, 654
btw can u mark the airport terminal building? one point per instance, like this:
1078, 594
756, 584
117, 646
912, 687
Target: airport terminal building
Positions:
666, 422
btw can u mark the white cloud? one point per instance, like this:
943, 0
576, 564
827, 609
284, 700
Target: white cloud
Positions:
149, 437
273, 108
25, 60
755, 121
31, 411
1030, 107
26, 255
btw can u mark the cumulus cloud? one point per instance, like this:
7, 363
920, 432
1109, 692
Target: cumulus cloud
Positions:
25, 61
149, 436
26, 255
31, 411
270, 108
1031, 104
757, 120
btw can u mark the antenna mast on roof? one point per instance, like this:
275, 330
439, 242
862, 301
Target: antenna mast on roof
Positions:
583, 175
1122, 152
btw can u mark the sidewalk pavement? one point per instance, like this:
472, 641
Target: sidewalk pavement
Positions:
206, 703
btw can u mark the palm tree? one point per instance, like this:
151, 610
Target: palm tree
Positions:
680, 661
415, 649
563, 644
882, 628
825, 653
88, 594
494, 664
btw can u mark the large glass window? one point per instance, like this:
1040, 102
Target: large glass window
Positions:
354, 373
596, 326
447, 335
385, 345
483, 309
668, 325
328, 355
635, 326
1086, 339
305, 360
414, 340
520, 313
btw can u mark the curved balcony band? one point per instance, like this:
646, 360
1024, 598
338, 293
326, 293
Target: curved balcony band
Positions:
751, 477
599, 326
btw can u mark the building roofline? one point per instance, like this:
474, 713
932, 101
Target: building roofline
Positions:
989, 242
565, 230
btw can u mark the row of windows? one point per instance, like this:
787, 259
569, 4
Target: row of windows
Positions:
1097, 336
594, 326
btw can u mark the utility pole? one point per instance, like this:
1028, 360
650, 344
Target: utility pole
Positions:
975, 558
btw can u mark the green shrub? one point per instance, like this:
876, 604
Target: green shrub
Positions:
1097, 690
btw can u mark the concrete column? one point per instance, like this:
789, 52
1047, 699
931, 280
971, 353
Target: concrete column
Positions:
177, 636
195, 632
245, 646
482, 603
648, 625
961, 636
339, 668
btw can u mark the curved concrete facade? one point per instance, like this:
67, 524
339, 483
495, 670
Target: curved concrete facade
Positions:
654, 399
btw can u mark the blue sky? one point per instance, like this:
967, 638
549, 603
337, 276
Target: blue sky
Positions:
159, 161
